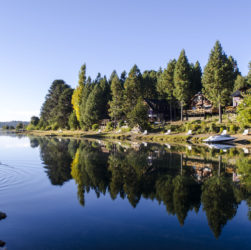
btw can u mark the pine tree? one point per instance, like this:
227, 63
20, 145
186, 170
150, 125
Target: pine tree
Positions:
182, 81
165, 84
240, 82
132, 89
64, 109
116, 104
249, 75
149, 83
51, 111
123, 78
196, 74
77, 94
218, 78
106, 96
85, 93
93, 107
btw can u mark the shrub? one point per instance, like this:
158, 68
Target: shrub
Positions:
121, 123
54, 126
233, 128
213, 128
95, 126
109, 126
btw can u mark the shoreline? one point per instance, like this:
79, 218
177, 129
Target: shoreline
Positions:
241, 140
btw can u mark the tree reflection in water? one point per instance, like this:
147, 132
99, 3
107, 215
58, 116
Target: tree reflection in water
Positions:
179, 179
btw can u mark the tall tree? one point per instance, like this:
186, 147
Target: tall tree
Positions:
77, 94
218, 78
123, 77
51, 111
149, 83
240, 82
132, 89
64, 108
249, 74
165, 84
182, 81
196, 74
116, 104
106, 96
86, 91
94, 105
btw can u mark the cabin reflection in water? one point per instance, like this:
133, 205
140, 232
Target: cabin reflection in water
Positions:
180, 178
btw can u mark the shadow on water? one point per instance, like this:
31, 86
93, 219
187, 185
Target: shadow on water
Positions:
180, 177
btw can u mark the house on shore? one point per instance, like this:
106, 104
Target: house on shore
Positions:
200, 105
239, 94
161, 110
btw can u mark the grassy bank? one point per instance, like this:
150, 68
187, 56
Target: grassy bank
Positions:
158, 137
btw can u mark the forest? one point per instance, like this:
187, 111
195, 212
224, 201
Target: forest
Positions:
121, 98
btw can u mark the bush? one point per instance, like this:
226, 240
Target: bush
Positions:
213, 128
73, 122
30, 127
95, 126
109, 126
121, 123
233, 128
54, 126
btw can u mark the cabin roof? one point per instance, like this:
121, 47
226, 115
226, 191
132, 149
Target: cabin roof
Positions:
237, 93
157, 105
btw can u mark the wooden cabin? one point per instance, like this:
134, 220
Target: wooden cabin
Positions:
239, 94
159, 110
199, 101
200, 105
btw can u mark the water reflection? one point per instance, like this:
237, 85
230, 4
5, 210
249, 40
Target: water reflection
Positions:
179, 177
2, 216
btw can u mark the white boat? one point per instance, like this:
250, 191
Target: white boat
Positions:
219, 139
219, 146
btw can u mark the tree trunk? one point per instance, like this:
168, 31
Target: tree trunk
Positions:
219, 168
181, 114
181, 163
220, 114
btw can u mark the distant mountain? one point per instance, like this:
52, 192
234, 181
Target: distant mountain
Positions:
12, 123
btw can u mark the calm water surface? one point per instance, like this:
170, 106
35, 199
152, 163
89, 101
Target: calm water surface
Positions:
78, 194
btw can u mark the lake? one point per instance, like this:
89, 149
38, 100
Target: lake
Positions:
77, 194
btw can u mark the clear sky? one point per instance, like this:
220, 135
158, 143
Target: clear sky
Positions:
43, 40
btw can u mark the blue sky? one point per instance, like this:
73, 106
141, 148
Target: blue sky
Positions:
43, 40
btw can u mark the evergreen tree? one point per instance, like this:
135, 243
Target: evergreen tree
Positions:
240, 82
64, 108
149, 82
182, 82
196, 74
116, 104
86, 91
132, 89
106, 96
218, 78
138, 115
165, 84
235, 69
73, 121
113, 74
77, 94
57, 106
94, 105
249, 75
123, 77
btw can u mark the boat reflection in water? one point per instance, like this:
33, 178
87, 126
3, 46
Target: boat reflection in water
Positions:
180, 177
